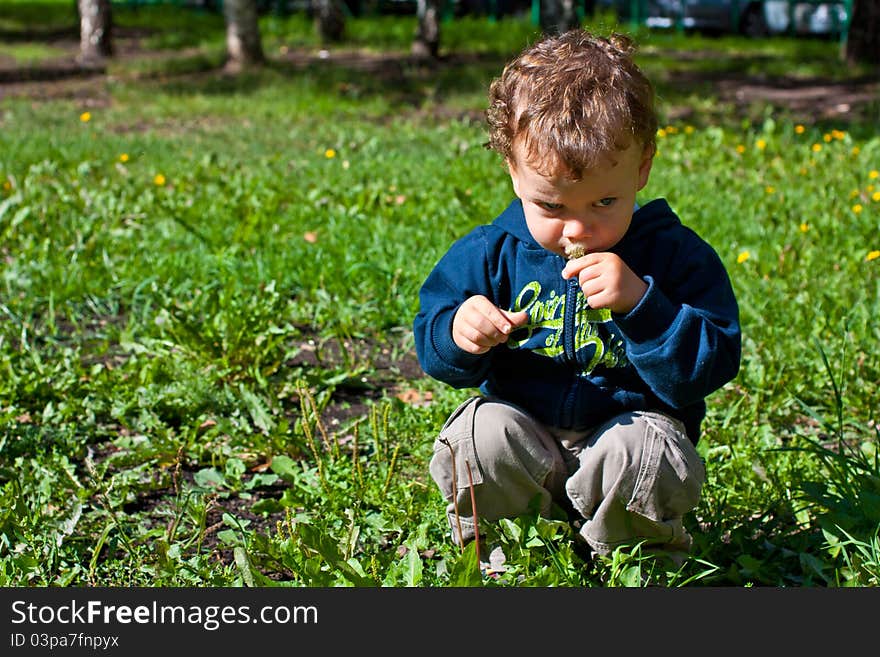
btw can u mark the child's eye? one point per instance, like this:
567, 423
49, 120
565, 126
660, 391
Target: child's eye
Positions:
606, 202
550, 206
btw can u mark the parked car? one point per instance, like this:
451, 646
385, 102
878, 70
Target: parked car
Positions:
750, 17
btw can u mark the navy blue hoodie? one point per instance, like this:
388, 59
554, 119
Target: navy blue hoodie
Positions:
572, 366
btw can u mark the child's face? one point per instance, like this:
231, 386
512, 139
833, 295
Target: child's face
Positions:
593, 212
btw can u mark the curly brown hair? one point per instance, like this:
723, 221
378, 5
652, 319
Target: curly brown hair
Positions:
573, 99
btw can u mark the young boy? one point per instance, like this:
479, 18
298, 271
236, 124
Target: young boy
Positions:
593, 327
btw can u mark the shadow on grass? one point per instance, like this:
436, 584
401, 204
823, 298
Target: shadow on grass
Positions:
763, 549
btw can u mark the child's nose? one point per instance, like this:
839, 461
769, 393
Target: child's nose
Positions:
574, 229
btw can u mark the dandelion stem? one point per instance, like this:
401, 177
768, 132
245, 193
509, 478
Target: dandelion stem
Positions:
455, 494
474, 510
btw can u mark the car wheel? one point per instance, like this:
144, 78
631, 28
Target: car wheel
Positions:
753, 24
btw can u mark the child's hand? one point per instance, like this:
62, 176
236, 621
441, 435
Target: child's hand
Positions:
607, 281
480, 325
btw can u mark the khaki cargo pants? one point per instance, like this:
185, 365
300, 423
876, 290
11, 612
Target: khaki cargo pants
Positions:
630, 479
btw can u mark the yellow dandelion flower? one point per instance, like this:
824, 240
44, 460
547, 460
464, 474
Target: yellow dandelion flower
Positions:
740, 148
661, 133
869, 188
329, 153
761, 144
872, 255
838, 134
826, 137
856, 150
671, 129
875, 197
804, 227
159, 180
799, 129
123, 157
770, 189
85, 117
873, 175
857, 208
817, 148
742, 257
854, 193
689, 129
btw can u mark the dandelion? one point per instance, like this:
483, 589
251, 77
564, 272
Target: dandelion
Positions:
817, 148
799, 129
872, 255
740, 149
85, 117
876, 197
761, 144
854, 193
742, 257
804, 227
671, 130
856, 150
159, 180
873, 175
689, 130
826, 137
838, 134
329, 153
123, 157
770, 189
661, 133
857, 208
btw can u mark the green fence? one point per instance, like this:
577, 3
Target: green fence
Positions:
645, 12
637, 12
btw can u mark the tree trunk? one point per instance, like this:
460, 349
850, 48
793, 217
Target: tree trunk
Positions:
329, 20
427, 39
95, 23
558, 16
863, 37
244, 48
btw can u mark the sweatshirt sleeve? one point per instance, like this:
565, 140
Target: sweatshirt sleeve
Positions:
461, 273
684, 336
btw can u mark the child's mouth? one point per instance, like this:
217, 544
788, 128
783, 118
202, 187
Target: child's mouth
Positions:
573, 251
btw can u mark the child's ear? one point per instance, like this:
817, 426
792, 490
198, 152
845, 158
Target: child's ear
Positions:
511, 169
645, 167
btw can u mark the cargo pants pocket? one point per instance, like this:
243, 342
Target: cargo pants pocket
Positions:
671, 472
454, 451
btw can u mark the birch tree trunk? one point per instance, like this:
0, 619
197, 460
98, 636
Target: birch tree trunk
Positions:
243, 45
427, 39
329, 20
95, 38
558, 16
863, 38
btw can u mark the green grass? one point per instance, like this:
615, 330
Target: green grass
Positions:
196, 273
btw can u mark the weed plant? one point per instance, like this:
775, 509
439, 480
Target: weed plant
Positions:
206, 292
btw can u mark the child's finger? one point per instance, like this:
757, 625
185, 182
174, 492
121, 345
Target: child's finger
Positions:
574, 267
517, 318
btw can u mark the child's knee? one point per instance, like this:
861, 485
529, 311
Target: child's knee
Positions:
488, 441
639, 475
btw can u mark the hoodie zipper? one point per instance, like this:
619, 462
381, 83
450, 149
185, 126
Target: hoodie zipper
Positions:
568, 335
568, 327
